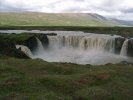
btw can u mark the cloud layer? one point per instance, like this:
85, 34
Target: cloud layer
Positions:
121, 9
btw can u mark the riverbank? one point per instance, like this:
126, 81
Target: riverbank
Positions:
38, 80
123, 31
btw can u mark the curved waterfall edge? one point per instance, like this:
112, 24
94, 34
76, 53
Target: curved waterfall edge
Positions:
79, 49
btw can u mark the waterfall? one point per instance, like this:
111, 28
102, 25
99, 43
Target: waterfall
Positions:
81, 48
89, 42
25, 49
40, 47
124, 48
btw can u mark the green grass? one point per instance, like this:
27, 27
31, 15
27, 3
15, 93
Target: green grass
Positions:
19, 37
122, 31
22, 79
51, 19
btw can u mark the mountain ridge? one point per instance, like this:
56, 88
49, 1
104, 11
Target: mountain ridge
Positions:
58, 19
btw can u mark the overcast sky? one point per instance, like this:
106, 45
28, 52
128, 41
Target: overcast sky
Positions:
121, 9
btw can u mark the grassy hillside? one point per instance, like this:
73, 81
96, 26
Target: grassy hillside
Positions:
53, 19
22, 79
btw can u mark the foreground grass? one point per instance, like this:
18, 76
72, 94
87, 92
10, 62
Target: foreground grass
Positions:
22, 79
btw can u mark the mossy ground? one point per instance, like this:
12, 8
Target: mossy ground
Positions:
27, 79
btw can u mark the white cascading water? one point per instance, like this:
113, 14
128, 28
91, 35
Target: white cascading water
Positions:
25, 49
95, 49
124, 48
40, 48
85, 43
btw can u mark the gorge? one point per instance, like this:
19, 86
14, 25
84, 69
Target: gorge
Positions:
83, 49
79, 47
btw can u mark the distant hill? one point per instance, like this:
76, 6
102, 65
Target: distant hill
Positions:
58, 19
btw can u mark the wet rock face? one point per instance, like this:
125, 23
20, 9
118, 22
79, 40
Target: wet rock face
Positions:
127, 63
44, 39
6, 44
31, 43
8, 48
17, 53
118, 44
130, 48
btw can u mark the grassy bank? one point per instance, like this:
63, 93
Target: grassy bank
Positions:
22, 79
123, 31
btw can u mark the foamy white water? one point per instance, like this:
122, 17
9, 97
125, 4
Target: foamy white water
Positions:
25, 49
93, 57
124, 48
95, 49
40, 48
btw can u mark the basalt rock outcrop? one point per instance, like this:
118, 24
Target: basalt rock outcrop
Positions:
130, 47
30, 40
8, 43
118, 44
44, 39
7, 48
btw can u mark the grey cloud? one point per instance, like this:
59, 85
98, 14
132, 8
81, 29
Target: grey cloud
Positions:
130, 10
111, 8
73, 9
80, 0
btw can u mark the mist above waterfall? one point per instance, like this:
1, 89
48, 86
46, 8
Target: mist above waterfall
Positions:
80, 57
80, 48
